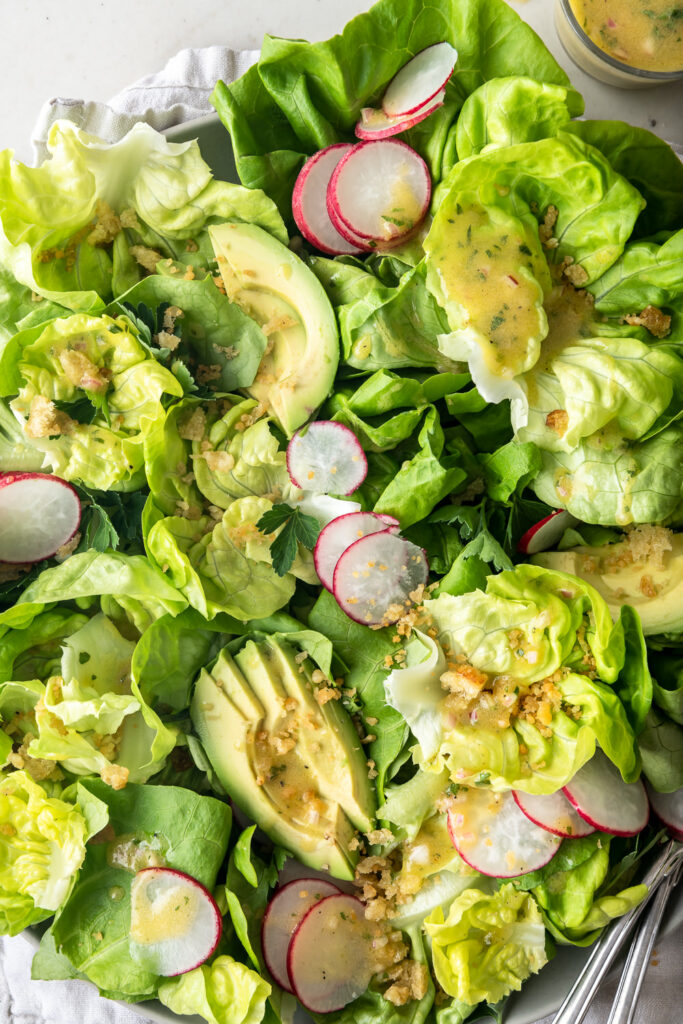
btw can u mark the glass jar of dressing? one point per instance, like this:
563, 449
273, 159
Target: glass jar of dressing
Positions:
628, 43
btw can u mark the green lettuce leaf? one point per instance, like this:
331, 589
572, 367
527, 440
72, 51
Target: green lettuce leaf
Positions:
139, 590
188, 831
42, 846
573, 892
505, 111
145, 194
614, 482
225, 565
222, 992
384, 326
527, 627
648, 163
647, 274
488, 945
301, 96
106, 389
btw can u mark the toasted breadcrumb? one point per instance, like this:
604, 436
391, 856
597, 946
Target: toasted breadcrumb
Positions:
558, 420
146, 257
107, 225
45, 420
82, 372
652, 319
115, 775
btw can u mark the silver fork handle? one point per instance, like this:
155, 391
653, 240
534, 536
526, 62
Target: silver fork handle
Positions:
624, 1005
582, 993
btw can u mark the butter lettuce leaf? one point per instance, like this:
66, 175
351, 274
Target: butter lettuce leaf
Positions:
301, 96
225, 565
222, 992
42, 844
611, 481
92, 930
67, 227
487, 945
505, 111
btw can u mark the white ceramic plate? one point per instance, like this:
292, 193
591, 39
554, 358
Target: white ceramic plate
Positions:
541, 994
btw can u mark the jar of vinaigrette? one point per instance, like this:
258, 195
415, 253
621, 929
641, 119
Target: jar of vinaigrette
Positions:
628, 43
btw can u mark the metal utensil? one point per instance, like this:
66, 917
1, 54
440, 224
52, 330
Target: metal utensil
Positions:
624, 1005
582, 993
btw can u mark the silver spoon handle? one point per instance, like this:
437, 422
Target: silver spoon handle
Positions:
624, 1005
576, 1005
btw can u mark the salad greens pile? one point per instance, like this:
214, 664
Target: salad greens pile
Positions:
138, 365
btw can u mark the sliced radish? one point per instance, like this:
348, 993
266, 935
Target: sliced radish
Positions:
39, 513
329, 959
340, 534
309, 202
375, 124
494, 837
322, 507
379, 191
604, 800
284, 912
669, 808
419, 80
326, 458
175, 924
546, 533
553, 812
376, 576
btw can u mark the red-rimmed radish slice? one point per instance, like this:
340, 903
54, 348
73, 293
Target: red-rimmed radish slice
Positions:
669, 808
604, 800
494, 837
375, 577
284, 912
374, 124
175, 924
329, 961
340, 534
39, 513
379, 192
322, 507
546, 533
309, 202
326, 457
553, 812
419, 80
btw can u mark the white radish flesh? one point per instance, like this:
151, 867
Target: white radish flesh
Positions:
553, 812
321, 506
379, 192
375, 124
605, 801
175, 924
546, 533
284, 912
376, 578
326, 458
494, 837
340, 534
39, 513
329, 961
669, 808
419, 80
309, 202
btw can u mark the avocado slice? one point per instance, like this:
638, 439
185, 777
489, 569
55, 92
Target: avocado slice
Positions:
277, 290
622, 577
296, 769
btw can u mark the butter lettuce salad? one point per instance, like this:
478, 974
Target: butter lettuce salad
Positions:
340, 595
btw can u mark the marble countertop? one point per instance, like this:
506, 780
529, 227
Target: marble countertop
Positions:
91, 49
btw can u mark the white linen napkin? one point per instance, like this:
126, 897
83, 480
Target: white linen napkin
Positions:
180, 92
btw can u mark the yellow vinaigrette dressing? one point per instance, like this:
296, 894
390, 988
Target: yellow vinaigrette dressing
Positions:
645, 34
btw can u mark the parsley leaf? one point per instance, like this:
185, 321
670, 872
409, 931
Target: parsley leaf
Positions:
295, 527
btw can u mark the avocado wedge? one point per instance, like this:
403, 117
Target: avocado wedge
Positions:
277, 290
296, 767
